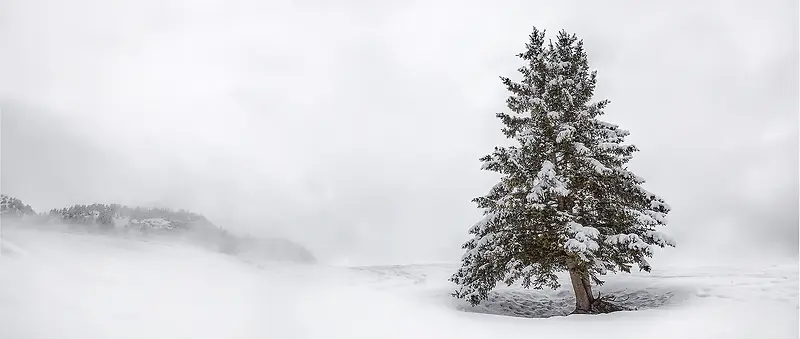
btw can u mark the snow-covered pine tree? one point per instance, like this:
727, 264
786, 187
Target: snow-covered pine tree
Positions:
13, 207
566, 200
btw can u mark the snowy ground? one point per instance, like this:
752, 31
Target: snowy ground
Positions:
55, 285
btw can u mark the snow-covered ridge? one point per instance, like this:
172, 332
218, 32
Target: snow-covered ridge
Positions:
105, 216
152, 223
126, 218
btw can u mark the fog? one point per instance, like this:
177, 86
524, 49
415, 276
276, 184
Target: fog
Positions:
356, 128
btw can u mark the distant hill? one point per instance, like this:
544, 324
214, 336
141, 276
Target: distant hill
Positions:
138, 221
126, 218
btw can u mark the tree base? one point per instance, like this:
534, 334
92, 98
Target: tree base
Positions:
600, 306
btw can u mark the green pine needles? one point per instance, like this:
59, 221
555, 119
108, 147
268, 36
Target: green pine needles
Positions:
566, 200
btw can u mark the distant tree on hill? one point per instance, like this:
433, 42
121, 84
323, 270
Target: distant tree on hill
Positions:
13, 207
144, 219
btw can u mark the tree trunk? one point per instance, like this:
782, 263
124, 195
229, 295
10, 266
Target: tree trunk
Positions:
583, 290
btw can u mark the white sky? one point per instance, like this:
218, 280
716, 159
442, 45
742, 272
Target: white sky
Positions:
355, 128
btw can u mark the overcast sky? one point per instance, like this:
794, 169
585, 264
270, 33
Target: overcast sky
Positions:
356, 127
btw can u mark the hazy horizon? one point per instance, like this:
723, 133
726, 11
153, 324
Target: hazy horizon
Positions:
356, 129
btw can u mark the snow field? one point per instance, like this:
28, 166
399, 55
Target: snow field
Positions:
82, 286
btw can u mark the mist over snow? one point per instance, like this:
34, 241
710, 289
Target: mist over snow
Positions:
331, 151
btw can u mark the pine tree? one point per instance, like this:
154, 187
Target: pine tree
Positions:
566, 200
13, 207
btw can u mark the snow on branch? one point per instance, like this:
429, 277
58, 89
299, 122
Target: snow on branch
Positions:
480, 245
480, 226
660, 239
547, 180
581, 149
597, 165
659, 217
583, 238
565, 133
642, 218
632, 241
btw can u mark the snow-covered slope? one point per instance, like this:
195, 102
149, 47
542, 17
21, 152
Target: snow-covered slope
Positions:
55, 285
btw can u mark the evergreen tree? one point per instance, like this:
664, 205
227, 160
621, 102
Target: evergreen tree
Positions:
13, 207
566, 200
